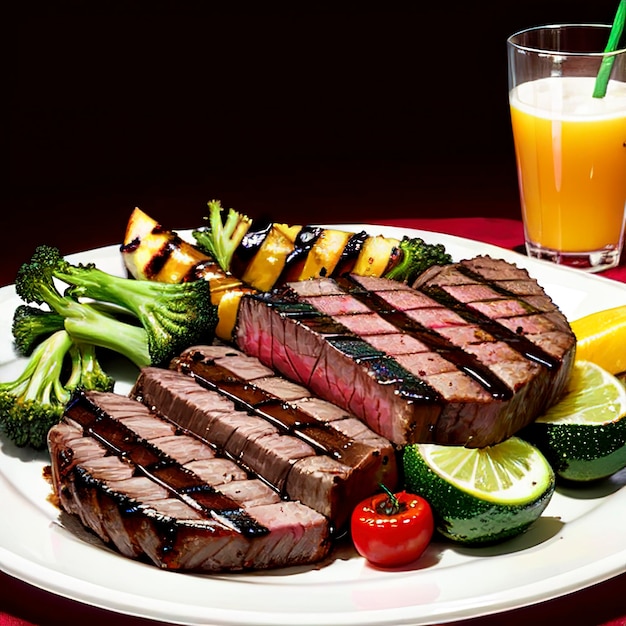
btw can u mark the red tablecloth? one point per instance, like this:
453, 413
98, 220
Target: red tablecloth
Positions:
21, 602
505, 233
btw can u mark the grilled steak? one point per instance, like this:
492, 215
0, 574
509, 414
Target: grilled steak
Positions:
157, 494
305, 448
470, 355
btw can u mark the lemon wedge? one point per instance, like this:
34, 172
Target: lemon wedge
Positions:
601, 338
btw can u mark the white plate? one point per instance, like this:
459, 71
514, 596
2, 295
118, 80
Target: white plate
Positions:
578, 541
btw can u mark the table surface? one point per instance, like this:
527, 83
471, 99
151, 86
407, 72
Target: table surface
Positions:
344, 200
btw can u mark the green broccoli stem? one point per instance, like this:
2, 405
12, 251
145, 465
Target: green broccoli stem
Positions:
173, 315
40, 381
32, 403
87, 373
133, 295
106, 332
35, 401
221, 238
88, 325
147, 300
76, 358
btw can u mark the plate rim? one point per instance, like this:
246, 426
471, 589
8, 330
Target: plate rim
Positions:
45, 576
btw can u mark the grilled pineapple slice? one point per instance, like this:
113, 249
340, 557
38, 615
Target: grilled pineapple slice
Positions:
267, 264
263, 257
375, 255
325, 254
151, 252
154, 253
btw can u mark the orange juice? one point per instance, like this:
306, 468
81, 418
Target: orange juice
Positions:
571, 162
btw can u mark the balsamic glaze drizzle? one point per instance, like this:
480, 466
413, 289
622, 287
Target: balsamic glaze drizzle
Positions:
464, 361
518, 342
384, 368
468, 363
157, 466
289, 419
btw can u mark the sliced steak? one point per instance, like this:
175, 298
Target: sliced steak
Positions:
160, 495
305, 448
468, 356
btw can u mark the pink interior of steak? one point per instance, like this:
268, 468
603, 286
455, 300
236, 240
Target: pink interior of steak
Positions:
470, 357
152, 491
304, 447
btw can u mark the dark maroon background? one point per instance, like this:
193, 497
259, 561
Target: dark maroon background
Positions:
299, 111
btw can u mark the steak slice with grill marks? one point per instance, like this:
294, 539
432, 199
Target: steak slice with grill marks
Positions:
305, 448
468, 356
160, 495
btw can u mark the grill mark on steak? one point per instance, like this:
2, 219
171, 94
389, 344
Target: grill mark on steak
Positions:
515, 340
437, 343
158, 467
289, 419
273, 428
384, 368
143, 519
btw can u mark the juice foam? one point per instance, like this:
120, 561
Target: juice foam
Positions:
569, 98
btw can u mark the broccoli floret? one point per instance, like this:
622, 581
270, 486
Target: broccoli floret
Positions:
221, 238
31, 325
85, 322
167, 317
416, 256
32, 403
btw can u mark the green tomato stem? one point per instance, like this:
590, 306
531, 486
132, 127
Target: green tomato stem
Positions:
391, 505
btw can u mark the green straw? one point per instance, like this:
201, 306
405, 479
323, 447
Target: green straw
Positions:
602, 80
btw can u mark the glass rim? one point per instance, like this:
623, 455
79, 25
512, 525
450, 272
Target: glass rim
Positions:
548, 50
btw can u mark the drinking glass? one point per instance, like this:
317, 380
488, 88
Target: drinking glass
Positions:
570, 143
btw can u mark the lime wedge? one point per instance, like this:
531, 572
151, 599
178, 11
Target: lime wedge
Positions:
481, 495
583, 436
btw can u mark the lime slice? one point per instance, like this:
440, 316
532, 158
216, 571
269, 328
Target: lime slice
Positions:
480, 495
583, 436
512, 472
592, 396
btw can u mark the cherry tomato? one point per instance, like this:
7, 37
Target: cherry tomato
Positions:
390, 529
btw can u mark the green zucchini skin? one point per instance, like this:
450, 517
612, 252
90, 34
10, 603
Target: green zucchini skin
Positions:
581, 452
